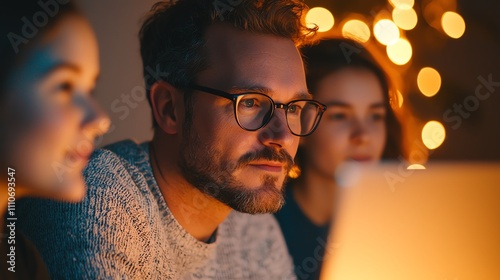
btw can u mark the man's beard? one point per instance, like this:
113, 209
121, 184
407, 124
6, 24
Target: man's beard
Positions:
203, 168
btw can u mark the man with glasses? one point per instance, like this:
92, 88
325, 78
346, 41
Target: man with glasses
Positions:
228, 108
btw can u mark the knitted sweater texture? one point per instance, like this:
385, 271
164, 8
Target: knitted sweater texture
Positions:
123, 229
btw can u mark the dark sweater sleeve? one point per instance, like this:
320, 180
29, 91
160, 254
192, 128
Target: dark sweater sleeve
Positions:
102, 237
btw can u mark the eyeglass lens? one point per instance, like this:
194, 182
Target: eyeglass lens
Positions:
254, 110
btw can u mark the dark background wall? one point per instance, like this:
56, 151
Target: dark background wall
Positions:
120, 86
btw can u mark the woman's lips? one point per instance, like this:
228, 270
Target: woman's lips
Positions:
361, 158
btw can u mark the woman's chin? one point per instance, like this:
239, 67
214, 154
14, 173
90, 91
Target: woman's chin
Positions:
70, 189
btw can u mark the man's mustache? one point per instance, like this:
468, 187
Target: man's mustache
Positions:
266, 154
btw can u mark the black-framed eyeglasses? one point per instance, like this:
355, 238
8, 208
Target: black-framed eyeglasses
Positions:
254, 110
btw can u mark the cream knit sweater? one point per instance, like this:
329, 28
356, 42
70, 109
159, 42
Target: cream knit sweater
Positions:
123, 229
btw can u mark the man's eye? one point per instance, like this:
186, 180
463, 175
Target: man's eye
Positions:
249, 103
294, 109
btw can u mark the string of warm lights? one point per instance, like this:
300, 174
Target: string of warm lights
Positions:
388, 28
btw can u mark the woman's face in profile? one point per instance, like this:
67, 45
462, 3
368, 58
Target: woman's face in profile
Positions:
52, 119
353, 127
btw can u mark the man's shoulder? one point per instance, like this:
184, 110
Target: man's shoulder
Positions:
124, 156
118, 170
127, 148
122, 151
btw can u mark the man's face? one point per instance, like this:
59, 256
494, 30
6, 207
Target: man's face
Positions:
243, 169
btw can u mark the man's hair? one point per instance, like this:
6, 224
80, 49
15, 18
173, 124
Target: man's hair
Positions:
172, 35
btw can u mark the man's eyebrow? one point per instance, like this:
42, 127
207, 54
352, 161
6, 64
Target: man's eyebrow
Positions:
268, 91
303, 95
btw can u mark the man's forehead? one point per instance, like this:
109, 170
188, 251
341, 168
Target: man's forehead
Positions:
245, 88
224, 40
240, 60
227, 46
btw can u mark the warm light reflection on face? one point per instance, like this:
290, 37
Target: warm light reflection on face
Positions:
353, 127
52, 118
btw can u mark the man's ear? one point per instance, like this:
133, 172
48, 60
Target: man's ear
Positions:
166, 101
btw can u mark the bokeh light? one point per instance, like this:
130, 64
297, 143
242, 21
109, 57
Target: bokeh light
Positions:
405, 19
386, 32
357, 30
402, 4
400, 52
429, 81
321, 17
400, 99
416, 166
433, 134
453, 24
433, 10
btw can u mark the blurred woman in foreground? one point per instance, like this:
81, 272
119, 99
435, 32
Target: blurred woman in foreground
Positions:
49, 117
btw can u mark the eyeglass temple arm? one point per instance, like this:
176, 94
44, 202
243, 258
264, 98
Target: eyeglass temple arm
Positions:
213, 91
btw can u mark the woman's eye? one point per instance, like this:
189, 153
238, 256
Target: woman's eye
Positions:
337, 117
66, 87
378, 117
